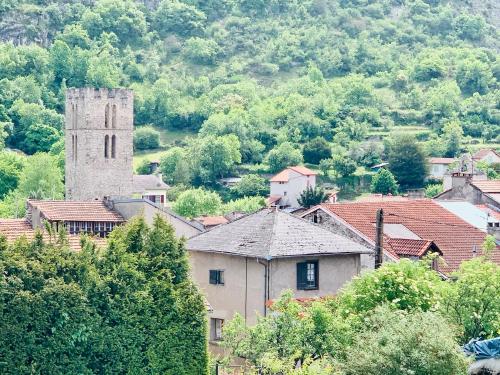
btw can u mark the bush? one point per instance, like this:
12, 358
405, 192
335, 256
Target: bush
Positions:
197, 202
316, 150
201, 51
146, 138
419, 343
251, 185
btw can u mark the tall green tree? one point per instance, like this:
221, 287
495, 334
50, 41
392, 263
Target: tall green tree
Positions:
407, 161
384, 183
312, 197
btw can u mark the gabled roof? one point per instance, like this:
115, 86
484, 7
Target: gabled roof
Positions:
143, 182
453, 236
271, 233
13, 229
442, 160
487, 186
76, 211
210, 221
483, 152
410, 247
284, 175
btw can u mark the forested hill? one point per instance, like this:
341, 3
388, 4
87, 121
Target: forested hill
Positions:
269, 71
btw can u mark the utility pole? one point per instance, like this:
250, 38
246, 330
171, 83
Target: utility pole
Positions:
379, 249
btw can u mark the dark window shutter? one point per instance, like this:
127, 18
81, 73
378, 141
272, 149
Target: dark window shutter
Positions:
301, 275
213, 277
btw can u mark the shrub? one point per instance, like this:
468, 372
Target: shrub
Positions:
316, 150
283, 156
146, 138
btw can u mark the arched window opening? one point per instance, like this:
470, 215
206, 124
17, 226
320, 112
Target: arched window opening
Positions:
113, 146
76, 148
113, 120
106, 146
106, 116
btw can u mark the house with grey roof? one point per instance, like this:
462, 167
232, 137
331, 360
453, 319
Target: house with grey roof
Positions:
151, 187
243, 265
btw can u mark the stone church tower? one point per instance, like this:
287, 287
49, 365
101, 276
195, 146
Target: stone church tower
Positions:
99, 143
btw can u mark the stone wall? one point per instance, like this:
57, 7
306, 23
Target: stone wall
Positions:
92, 173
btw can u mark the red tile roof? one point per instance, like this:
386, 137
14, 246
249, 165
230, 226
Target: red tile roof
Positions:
483, 152
382, 198
489, 210
210, 221
284, 175
487, 186
76, 211
453, 236
13, 229
442, 160
408, 247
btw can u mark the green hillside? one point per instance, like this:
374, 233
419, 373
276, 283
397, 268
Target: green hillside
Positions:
277, 74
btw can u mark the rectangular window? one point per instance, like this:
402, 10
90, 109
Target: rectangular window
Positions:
217, 326
307, 275
216, 277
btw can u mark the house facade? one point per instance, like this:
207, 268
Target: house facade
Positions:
243, 265
439, 166
487, 155
287, 185
151, 187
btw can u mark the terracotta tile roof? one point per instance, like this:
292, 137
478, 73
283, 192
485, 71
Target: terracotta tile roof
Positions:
409, 247
453, 236
210, 221
382, 198
487, 186
272, 199
284, 175
13, 229
76, 211
483, 152
442, 160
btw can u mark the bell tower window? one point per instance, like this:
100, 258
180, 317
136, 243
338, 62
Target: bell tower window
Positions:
113, 147
106, 146
106, 116
113, 119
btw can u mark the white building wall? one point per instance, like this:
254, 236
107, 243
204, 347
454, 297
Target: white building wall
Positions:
291, 190
438, 170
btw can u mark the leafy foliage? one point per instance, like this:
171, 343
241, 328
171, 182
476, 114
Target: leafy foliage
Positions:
197, 202
146, 137
128, 307
407, 161
384, 183
312, 197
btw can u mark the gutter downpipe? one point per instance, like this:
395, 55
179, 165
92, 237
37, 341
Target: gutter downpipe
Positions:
266, 281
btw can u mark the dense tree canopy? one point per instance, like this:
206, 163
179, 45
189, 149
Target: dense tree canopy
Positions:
128, 307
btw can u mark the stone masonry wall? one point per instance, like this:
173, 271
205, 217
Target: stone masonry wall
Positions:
90, 172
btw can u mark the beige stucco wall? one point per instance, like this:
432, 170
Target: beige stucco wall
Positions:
243, 289
296, 184
244, 280
334, 272
129, 209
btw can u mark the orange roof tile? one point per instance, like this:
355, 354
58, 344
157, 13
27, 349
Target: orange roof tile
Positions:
453, 236
409, 247
487, 186
13, 229
210, 221
284, 175
489, 210
483, 152
76, 211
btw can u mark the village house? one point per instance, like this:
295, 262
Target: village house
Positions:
439, 166
287, 186
488, 155
150, 186
485, 192
242, 265
411, 229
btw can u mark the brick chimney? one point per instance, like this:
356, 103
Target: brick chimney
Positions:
494, 229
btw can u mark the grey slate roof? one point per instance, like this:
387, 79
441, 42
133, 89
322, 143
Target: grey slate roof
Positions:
143, 182
273, 234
